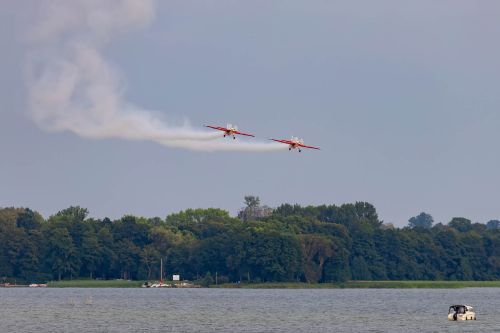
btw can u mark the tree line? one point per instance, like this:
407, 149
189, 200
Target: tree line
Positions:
313, 244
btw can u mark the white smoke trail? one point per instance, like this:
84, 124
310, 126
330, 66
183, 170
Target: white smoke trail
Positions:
73, 88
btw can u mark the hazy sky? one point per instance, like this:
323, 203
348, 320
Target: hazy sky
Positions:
402, 97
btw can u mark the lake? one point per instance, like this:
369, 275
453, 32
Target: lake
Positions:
244, 310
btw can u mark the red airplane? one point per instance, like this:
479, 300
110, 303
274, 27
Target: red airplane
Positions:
295, 143
230, 130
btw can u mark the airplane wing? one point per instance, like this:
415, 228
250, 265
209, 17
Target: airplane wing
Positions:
245, 134
288, 142
309, 147
217, 128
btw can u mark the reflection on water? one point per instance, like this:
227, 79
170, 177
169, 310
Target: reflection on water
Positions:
233, 310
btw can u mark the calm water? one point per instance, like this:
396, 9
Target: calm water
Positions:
225, 310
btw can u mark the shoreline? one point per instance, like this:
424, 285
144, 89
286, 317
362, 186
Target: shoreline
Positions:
288, 285
367, 285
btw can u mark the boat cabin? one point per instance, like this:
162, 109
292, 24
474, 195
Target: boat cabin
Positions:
461, 312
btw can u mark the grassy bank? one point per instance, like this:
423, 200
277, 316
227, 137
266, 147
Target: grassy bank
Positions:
289, 285
367, 284
95, 284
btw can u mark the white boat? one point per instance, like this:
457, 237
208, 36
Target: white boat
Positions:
461, 312
161, 284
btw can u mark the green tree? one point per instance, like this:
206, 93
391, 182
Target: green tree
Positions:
273, 256
316, 250
337, 267
461, 224
312, 243
108, 264
29, 220
61, 253
150, 257
360, 269
91, 253
128, 259
207, 280
493, 224
422, 220
74, 213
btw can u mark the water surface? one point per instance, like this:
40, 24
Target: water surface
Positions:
244, 310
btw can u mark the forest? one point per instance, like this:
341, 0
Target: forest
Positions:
311, 244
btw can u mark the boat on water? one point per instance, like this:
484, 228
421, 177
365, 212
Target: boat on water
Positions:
159, 284
461, 312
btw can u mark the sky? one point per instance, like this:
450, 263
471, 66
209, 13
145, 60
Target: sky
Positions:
402, 97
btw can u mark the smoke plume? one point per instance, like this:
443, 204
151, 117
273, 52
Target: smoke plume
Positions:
73, 88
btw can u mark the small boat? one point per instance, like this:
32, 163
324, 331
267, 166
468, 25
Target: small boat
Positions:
160, 284
461, 312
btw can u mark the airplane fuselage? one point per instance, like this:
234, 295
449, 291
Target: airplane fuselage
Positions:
230, 132
295, 146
